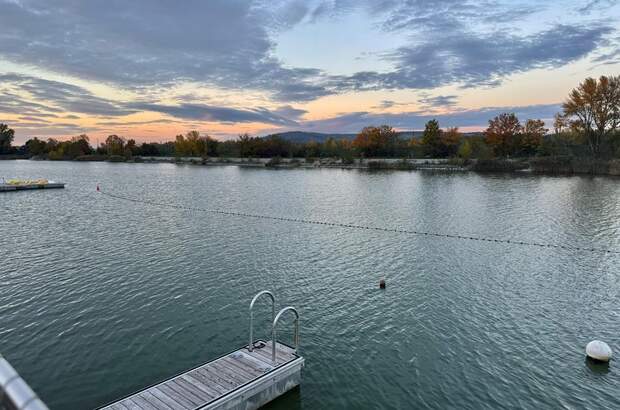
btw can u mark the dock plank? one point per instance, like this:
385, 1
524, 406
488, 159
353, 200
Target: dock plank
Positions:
153, 400
190, 392
172, 396
203, 390
193, 377
207, 383
243, 371
167, 401
143, 402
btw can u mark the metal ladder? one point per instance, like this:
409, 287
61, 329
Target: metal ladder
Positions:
274, 322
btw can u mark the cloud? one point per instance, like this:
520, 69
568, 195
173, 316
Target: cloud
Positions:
127, 124
384, 104
592, 5
353, 122
439, 101
143, 44
205, 112
474, 60
27, 130
20, 91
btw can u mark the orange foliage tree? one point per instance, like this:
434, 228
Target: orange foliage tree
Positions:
503, 133
533, 134
376, 141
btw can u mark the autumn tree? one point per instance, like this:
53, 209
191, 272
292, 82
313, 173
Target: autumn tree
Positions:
114, 145
245, 145
376, 141
465, 150
431, 139
560, 123
79, 145
593, 109
6, 138
35, 146
533, 134
450, 141
193, 145
503, 133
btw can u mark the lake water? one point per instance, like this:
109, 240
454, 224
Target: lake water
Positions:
100, 297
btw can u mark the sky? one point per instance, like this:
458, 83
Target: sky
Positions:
151, 69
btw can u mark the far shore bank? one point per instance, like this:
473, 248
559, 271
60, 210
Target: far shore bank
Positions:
535, 165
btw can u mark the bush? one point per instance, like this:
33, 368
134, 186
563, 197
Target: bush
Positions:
93, 157
55, 156
572, 165
273, 162
378, 165
554, 164
498, 165
614, 167
116, 158
405, 164
459, 162
347, 159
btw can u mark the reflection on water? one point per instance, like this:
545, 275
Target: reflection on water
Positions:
99, 297
597, 367
291, 400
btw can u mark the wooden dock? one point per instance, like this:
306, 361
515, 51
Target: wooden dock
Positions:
242, 379
22, 187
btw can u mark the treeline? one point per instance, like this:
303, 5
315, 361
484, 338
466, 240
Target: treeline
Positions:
586, 127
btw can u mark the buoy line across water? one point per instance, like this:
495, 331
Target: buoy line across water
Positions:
354, 226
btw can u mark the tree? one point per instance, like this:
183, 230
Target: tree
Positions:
594, 110
245, 145
560, 123
431, 139
465, 150
376, 141
115, 145
6, 138
79, 145
35, 146
193, 145
503, 133
450, 141
533, 134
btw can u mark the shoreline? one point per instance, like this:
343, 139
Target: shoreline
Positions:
555, 166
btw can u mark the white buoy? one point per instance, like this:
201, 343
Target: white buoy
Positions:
598, 350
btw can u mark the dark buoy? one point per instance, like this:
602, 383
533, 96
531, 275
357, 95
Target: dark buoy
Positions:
382, 284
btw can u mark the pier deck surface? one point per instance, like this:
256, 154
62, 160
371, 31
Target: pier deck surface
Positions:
206, 385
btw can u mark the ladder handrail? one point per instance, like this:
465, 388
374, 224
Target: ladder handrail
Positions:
15, 392
273, 314
273, 331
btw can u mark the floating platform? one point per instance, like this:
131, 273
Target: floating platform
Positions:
245, 379
25, 186
238, 380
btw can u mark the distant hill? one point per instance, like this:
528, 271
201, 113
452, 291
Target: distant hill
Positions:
303, 136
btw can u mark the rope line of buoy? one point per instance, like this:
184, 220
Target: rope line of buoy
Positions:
359, 227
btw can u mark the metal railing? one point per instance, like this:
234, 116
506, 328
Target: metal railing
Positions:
273, 314
15, 394
273, 331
